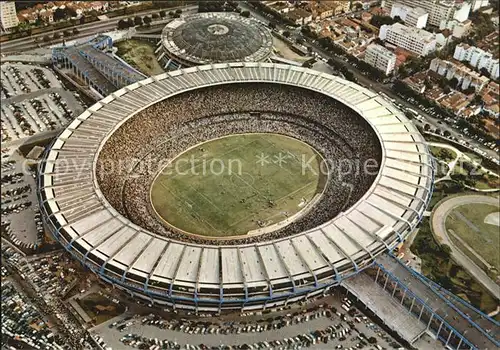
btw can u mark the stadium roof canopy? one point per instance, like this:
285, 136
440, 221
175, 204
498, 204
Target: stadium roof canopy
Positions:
216, 37
75, 207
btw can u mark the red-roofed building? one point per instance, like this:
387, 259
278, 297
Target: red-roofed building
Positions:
366, 16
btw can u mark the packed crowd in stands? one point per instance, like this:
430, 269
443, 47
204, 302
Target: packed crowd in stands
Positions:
129, 160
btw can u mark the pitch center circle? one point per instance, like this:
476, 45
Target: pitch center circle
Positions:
237, 185
217, 29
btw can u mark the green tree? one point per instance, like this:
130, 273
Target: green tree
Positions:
147, 20
245, 13
138, 20
453, 83
485, 72
379, 21
122, 24
162, 13
357, 6
478, 99
469, 91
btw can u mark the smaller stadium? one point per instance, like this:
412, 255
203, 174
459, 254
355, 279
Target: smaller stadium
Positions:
213, 37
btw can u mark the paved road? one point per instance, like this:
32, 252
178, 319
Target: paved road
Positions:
23, 44
439, 229
112, 336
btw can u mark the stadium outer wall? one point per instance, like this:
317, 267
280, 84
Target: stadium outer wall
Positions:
352, 256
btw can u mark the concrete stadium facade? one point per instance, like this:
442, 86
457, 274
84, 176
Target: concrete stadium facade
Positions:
214, 278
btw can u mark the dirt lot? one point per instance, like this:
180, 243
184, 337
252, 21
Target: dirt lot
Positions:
140, 55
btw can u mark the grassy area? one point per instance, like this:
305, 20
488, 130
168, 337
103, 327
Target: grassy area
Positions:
442, 190
467, 222
474, 176
140, 55
441, 170
99, 308
443, 154
223, 188
459, 169
474, 157
439, 267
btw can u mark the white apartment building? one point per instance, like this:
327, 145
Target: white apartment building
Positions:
413, 17
438, 10
465, 76
415, 40
459, 29
478, 58
417, 18
477, 4
8, 15
379, 57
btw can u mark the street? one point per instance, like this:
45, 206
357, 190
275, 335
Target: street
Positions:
24, 44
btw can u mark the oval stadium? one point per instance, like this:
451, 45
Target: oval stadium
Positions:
213, 37
234, 186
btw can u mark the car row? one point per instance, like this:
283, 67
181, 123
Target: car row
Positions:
43, 108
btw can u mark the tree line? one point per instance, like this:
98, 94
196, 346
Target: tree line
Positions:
146, 20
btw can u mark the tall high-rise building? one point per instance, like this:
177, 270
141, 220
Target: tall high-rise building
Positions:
437, 9
8, 15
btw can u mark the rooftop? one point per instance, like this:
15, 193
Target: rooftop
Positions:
418, 34
217, 37
380, 50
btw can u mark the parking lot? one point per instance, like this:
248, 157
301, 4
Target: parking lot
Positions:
23, 324
323, 325
21, 220
40, 281
33, 100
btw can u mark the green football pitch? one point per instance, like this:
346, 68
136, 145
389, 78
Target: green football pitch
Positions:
236, 184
